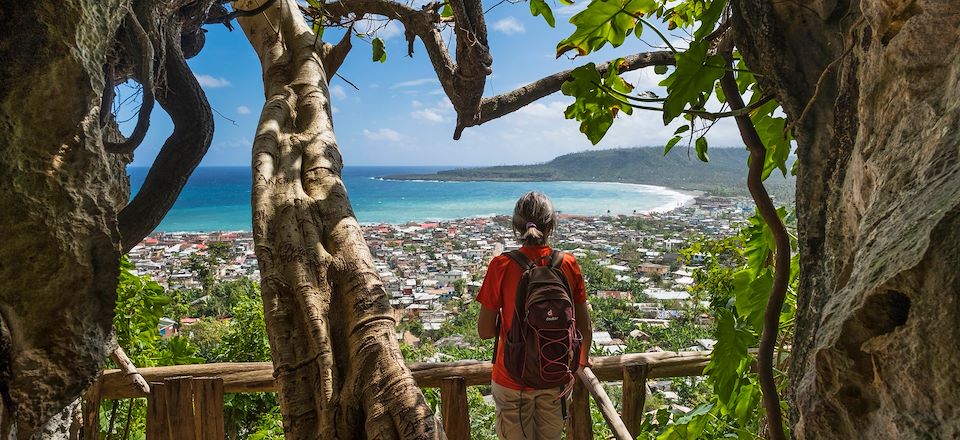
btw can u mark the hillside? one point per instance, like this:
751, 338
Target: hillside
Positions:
725, 174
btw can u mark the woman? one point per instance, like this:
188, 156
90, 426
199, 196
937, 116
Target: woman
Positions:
522, 412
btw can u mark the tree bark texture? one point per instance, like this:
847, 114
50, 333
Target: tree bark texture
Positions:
873, 88
338, 365
60, 247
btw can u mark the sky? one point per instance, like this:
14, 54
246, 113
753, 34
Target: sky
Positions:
400, 115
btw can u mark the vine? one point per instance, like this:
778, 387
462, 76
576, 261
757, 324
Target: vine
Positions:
708, 68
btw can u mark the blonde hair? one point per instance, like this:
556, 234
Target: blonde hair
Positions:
533, 219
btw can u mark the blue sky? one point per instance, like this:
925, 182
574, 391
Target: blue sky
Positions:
400, 115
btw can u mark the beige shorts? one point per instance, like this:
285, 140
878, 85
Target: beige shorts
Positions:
527, 415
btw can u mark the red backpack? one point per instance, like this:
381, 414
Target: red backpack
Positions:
543, 344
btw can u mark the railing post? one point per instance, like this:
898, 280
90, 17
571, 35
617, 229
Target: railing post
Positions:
157, 412
580, 424
634, 396
91, 411
208, 402
454, 409
180, 417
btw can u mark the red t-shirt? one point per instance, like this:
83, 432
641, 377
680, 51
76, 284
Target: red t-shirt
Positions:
499, 290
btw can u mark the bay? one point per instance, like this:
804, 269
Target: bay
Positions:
218, 198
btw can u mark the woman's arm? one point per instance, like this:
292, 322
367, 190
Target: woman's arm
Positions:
487, 322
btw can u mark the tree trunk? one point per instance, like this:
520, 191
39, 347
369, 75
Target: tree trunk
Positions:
332, 336
60, 247
872, 87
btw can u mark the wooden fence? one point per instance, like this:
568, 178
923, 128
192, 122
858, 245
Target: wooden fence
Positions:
185, 402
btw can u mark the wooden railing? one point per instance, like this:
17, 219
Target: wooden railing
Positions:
186, 401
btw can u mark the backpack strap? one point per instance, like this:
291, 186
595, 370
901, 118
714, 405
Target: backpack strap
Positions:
556, 259
521, 259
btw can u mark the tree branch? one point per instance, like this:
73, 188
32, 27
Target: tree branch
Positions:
781, 276
138, 45
500, 105
333, 56
418, 22
225, 19
185, 102
134, 378
463, 81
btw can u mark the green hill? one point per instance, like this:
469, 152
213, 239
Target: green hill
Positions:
725, 174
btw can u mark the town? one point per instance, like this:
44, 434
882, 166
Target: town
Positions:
432, 270
425, 265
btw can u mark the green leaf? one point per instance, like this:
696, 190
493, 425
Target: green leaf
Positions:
760, 244
775, 141
638, 30
317, 29
751, 294
447, 10
379, 51
540, 7
729, 355
701, 147
693, 77
673, 141
602, 22
745, 77
708, 19
682, 129
660, 69
594, 107
745, 405
566, 2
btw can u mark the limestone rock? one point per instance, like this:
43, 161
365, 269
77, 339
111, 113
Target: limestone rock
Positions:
877, 349
59, 249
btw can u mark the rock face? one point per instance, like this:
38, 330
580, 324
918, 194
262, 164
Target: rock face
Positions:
60, 247
877, 349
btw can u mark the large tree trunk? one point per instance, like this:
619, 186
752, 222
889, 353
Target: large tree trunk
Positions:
332, 337
60, 247
877, 348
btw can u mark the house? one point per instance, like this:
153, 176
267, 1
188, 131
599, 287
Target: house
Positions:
652, 269
618, 294
665, 295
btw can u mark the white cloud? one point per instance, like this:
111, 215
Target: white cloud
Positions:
392, 29
383, 134
414, 83
509, 26
337, 91
438, 112
570, 10
212, 81
334, 109
243, 110
378, 28
427, 114
232, 145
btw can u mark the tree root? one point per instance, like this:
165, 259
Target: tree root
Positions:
781, 277
136, 44
183, 99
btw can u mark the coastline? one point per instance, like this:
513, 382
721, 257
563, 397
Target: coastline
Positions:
683, 199
219, 200
688, 196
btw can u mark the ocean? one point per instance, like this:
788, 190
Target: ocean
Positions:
218, 198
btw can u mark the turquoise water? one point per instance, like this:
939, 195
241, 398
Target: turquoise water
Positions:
218, 198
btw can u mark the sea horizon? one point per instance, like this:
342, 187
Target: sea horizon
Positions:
217, 198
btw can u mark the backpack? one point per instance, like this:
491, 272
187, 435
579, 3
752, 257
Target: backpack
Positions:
542, 349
